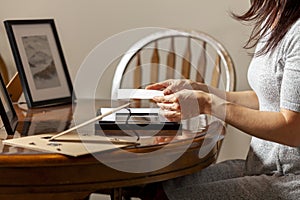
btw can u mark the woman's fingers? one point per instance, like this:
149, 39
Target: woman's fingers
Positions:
159, 86
165, 99
169, 106
170, 90
173, 116
156, 86
171, 86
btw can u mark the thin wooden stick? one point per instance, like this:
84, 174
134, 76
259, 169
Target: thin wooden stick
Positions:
90, 121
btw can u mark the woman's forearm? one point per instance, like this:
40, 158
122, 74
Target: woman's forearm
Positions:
244, 98
281, 127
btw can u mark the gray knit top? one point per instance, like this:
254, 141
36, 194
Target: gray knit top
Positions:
275, 77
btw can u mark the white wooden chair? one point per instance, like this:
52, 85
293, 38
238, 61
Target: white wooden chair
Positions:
175, 54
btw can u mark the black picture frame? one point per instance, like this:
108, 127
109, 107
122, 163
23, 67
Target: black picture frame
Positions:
40, 61
8, 114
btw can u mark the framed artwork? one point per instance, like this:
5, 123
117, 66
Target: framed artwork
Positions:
40, 62
8, 113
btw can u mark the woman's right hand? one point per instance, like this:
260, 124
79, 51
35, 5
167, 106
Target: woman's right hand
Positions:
171, 86
184, 104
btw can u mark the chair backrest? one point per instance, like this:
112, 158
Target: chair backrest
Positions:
175, 54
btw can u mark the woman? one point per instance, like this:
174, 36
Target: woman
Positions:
270, 113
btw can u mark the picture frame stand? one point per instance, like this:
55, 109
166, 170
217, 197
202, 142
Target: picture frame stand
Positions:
14, 88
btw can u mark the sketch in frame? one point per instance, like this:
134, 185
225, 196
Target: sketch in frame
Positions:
40, 62
8, 113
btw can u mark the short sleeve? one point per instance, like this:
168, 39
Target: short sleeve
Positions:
290, 88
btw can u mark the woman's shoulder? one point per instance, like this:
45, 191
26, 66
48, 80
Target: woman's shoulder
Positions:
295, 29
291, 41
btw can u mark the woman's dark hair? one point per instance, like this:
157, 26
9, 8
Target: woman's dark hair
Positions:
275, 15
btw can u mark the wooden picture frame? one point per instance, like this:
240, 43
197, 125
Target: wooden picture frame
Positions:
8, 114
40, 61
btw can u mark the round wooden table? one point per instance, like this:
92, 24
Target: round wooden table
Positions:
27, 174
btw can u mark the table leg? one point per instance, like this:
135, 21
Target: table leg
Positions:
116, 194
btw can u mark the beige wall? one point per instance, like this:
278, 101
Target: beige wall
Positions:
82, 24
